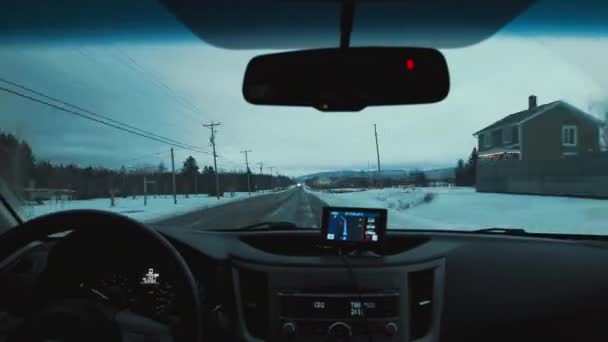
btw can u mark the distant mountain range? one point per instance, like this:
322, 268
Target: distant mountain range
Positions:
364, 173
354, 173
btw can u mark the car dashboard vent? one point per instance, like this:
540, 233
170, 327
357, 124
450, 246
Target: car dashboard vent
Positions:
421, 302
254, 295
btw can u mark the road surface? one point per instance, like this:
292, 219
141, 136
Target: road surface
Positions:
293, 205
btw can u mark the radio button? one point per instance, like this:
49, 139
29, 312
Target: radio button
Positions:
288, 330
339, 331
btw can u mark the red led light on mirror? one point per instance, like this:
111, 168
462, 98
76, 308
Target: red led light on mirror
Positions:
409, 64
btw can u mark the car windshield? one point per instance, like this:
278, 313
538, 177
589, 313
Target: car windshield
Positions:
158, 130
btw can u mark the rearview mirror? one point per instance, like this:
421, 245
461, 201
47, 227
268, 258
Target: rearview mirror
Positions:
347, 79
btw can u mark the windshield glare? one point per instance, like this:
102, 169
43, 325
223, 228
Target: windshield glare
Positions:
159, 131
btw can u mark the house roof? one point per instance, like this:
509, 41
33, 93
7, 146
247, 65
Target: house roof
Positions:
516, 118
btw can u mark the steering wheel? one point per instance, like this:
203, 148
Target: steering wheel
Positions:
66, 319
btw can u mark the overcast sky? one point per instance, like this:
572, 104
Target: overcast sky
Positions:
173, 88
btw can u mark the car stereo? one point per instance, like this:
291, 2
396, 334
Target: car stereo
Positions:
339, 306
353, 226
339, 316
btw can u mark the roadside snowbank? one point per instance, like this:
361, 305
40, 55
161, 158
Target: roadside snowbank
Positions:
158, 208
464, 209
391, 198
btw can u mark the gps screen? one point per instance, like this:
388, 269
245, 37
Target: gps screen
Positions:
353, 225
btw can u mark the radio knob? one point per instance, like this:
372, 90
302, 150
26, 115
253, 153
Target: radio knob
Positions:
339, 331
391, 329
288, 330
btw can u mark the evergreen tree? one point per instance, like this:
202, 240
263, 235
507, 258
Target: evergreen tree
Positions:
190, 173
190, 166
16, 163
208, 181
459, 179
472, 168
161, 168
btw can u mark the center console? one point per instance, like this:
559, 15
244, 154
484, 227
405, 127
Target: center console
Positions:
349, 292
320, 303
339, 315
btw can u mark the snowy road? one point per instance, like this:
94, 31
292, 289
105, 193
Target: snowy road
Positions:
294, 205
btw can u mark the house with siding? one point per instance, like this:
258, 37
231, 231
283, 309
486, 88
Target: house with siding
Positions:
549, 131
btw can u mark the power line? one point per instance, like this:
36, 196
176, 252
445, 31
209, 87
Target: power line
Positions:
233, 165
130, 67
182, 100
92, 113
143, 135
226, 159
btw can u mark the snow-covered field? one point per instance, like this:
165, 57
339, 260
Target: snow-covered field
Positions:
157, 208
465, 209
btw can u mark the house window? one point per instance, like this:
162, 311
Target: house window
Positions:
497, 137
510, 135
569, 136
507, 135
486, 138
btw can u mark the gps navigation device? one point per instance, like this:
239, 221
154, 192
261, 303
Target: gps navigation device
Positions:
353, 226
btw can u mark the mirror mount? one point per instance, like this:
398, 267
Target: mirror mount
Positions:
346, 22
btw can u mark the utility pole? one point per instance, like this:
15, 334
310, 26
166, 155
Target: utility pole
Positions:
246, 152
261, 181
377, 148
173, 172
276, 170
369, 174
211, 126
271, 168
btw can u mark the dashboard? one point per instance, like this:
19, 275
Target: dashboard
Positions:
446, 286
286, 286
140, 290
129, 277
